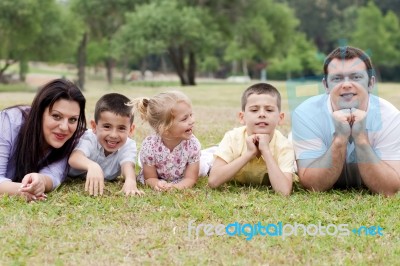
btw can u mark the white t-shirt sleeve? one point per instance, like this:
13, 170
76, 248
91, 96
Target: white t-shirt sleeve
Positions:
307, 136
87, 143
386, 142
128, 152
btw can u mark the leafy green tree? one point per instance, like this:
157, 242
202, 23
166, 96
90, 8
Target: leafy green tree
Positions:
392, 24
341, 29
209, 64
301, 59
133, 41
388, 5
381, 38
34, 30
18, 26
262, 31
183, 32
251, 36
254, 31
319, 19
102, 19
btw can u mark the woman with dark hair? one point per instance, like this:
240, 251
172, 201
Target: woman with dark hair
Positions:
36, 140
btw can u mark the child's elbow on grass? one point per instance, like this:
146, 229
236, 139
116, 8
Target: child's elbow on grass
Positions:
286, 192
212, 183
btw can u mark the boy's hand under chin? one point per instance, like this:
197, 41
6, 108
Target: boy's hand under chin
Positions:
257, 143
252, 145
263, 142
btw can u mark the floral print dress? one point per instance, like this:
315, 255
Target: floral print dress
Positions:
170, 166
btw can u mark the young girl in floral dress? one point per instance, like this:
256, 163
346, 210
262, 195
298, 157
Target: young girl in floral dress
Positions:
170, 157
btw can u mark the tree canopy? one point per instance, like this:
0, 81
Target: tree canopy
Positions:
35, 30
197, 37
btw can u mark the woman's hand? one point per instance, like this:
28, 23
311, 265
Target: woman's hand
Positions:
33, 187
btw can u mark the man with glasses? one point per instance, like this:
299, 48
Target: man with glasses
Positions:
348, 138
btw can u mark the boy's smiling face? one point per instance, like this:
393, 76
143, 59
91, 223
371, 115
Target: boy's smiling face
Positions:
261, 114
112, 131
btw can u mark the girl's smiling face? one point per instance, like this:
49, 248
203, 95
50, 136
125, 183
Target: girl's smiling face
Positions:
182, 125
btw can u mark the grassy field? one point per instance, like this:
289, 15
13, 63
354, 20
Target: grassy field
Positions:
71, 228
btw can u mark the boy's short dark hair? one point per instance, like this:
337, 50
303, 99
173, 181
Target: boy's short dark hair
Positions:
261, 88
115, 103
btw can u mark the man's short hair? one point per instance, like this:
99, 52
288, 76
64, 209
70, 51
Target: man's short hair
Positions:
347, 53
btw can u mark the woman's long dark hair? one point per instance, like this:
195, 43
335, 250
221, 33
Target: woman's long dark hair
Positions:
29, 155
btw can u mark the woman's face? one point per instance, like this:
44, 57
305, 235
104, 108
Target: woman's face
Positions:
60, 123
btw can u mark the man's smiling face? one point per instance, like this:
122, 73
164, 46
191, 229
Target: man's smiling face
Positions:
348, 84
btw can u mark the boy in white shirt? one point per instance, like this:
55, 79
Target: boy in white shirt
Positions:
107, 151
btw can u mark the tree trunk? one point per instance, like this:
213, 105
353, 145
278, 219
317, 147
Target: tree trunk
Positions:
245, 68
143, 68
82, 61
4, 68
124, 69
109, 62
23, 69
177, 59
164, 69
234, 68
191, 72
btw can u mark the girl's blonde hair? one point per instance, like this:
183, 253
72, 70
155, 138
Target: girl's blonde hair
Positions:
157, 111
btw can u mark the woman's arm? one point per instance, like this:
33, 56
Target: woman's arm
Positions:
32, 187
10, 188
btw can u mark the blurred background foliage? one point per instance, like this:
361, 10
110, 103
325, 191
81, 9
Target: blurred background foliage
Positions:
274, 39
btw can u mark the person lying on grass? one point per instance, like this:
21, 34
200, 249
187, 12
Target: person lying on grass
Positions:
170, 157
256, 153
347, 137
107, 151
36, 140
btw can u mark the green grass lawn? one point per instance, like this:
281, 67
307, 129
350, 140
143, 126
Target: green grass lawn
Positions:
71, 228
18, 87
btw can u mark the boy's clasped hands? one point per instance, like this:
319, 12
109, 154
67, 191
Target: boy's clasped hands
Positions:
257, 144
